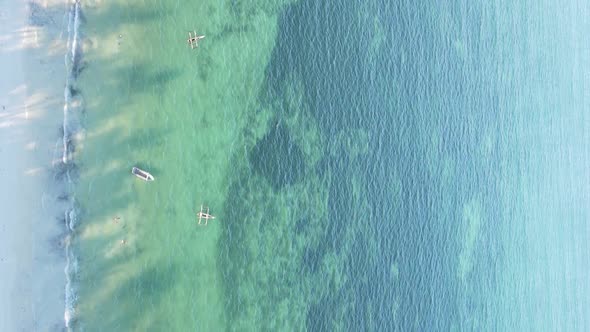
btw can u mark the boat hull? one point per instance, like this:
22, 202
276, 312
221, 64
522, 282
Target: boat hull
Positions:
145, 176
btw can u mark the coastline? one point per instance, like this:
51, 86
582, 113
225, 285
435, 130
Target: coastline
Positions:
33, 197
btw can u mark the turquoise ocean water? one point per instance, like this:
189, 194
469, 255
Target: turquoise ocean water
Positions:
373, 165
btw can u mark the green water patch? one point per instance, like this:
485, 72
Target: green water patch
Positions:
178, 113
472, 224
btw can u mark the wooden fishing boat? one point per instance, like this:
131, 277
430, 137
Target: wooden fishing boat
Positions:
204, 216
142, 174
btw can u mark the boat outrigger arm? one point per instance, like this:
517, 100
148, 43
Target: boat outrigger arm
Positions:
204, 216
193, 39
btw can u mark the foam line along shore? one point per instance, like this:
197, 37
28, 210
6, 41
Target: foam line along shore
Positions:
34, 195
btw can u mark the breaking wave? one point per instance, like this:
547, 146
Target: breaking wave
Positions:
72, 133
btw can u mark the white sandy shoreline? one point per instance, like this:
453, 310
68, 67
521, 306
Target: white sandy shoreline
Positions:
33, 73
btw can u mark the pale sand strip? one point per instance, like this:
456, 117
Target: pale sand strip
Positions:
32, 82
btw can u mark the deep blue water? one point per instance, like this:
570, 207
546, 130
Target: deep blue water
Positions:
445, 98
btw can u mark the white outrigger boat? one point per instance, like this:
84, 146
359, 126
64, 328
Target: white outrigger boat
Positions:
204, 216
193, 39
142, 174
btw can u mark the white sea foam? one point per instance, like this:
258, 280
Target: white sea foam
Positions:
72, 104
71, 218
71, 272
72, 108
